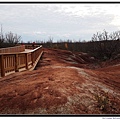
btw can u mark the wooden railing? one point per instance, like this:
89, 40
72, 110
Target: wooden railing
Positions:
20, 48
15, 62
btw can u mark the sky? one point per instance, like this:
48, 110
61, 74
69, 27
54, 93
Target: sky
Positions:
40, 22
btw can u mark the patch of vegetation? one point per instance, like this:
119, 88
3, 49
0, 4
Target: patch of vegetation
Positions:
102, 101
105, 103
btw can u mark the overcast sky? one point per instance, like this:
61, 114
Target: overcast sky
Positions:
59, 21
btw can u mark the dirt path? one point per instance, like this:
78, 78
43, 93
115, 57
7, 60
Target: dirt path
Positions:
62, 84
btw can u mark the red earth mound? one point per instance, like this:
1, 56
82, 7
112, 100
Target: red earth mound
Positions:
62, 83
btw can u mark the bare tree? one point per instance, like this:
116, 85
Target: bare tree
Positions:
1, 37
105, 36
100, 36
8, 39
12, 39
107, 46
115, 35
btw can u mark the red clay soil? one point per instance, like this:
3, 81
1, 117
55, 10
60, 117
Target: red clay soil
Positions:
62, 83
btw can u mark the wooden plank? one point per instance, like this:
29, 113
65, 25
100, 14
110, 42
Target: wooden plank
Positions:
30, 63
9, 68
16, 63
2, 65
21, 66
26, 60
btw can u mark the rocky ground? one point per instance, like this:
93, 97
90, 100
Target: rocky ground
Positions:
63, 83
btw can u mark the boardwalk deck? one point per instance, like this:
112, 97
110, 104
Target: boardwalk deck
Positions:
19, 61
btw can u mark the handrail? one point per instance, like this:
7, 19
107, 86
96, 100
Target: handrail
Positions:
31, 50
20, 48
19, 61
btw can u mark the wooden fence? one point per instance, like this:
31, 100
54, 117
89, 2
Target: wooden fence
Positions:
20, 48
15, 62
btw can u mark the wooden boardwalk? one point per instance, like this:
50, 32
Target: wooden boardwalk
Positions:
19, 61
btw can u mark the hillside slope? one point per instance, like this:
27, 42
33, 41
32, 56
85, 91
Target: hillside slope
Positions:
62, 83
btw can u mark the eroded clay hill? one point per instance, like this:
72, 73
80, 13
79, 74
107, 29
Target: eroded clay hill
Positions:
62, 83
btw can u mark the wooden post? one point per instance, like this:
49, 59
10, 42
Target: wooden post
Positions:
2, 65
16, 63
26, 60
32, 58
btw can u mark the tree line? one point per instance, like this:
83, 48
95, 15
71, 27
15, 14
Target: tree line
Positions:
102, 46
